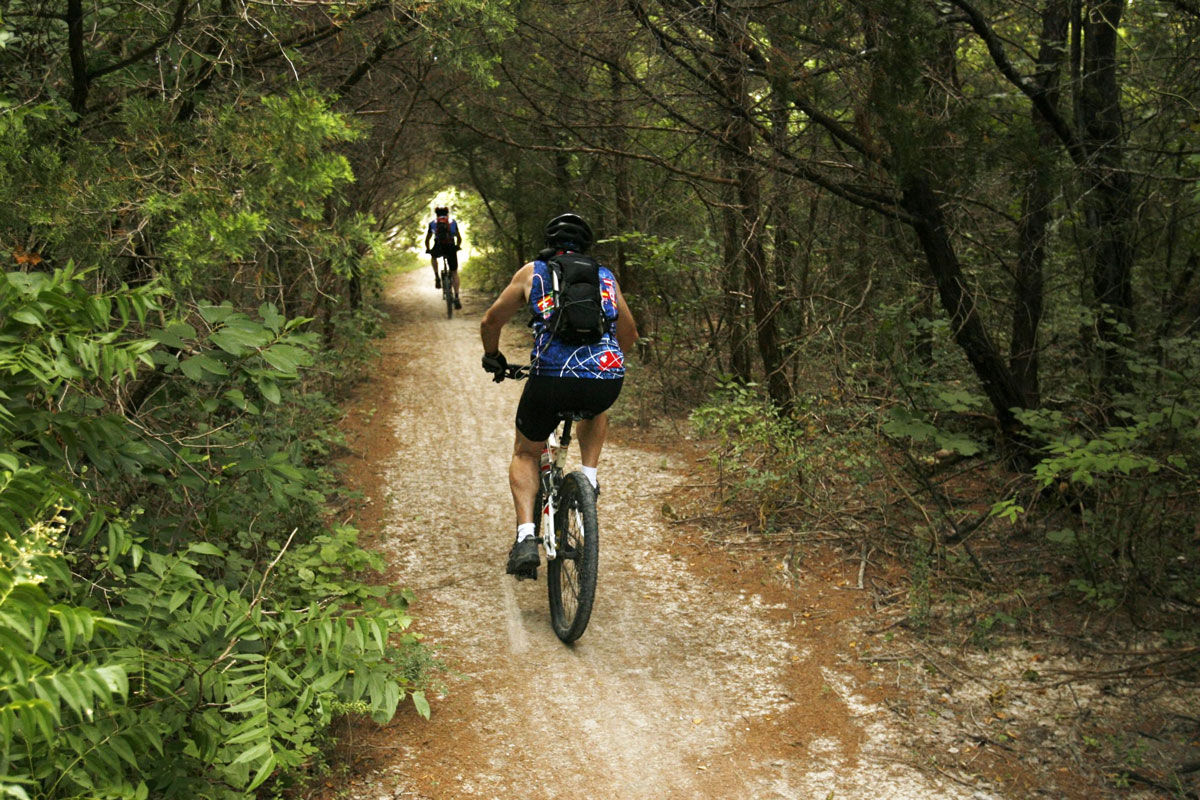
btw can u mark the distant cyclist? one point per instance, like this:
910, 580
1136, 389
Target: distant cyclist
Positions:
447, 241
577, 363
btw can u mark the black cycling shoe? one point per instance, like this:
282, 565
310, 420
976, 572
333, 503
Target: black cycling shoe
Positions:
437, 283
523, 559
457, 303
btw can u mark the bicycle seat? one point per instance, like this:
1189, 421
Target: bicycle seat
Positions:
574, 416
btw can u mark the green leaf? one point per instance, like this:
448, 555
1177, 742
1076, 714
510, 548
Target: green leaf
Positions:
328, 680
260, 750
264, 772
1063, 536
902, 424
176, 335
270, 391
215, 315
285, 358
256, 703
122, 749
192, 369
421, 704
236, 398
29, 317
210, 364
228, 342
958, 443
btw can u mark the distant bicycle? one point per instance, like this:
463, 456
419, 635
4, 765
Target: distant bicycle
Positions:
566, 528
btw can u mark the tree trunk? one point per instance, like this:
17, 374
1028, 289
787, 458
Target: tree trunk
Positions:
785, 249
622, 193
732, 287
959, 302
1107, 199
750, 219
1028, 279
80, 81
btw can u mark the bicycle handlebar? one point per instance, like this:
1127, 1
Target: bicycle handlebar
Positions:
516, 372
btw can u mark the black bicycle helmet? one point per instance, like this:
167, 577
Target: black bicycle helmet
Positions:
441, 211
569, 229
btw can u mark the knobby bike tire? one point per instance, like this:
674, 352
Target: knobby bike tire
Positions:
448, 293
571, 577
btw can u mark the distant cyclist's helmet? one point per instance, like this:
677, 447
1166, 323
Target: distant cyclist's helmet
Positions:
569, 229
441, 211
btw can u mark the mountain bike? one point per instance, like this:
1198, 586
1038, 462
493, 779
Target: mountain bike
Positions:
567, 528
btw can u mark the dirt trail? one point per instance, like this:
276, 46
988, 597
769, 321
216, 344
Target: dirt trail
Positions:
698, 677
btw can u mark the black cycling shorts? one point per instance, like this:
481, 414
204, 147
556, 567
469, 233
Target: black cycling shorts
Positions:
450, 252
544, 397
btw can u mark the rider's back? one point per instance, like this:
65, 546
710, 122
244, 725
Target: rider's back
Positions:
553, 357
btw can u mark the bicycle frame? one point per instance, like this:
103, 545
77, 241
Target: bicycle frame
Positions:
553, 463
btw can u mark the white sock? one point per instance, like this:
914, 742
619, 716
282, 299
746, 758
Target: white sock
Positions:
590, 472
524, 531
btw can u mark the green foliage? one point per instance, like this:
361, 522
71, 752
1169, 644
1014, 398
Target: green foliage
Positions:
759, 461
261, 170
165, 594
903, 424
923, 360
764, 459
1133, 486
224, 686
676, 289
178, 616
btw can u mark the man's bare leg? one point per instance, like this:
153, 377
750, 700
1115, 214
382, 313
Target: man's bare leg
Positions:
591, 438
523, 480
523, 476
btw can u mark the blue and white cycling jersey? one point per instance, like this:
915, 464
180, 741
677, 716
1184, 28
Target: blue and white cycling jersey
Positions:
453, 228
553, 358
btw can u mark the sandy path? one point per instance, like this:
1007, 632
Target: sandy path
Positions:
692, 680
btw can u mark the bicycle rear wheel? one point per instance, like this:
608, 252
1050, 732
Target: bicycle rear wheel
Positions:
571, 577
448, 293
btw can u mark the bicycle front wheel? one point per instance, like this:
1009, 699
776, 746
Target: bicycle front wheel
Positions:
571, 577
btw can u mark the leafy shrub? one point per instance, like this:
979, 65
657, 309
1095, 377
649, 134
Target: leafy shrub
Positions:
177, 619
1133, 487
775, 464
678, 295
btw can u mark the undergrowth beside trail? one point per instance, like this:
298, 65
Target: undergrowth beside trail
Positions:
182, 615
1046, 618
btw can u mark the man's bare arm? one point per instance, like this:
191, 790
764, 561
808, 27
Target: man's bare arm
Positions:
510, 301
627, 332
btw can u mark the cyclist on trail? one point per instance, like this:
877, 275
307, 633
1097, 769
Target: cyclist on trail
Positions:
564, 376
447, 241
